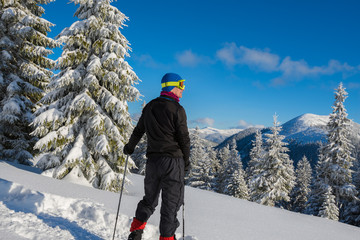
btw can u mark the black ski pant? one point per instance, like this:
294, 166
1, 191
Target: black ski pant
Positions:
165, 174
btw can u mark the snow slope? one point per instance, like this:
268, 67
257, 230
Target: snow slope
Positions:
33, 206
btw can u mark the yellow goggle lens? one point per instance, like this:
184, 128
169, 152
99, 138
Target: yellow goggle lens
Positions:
181, 84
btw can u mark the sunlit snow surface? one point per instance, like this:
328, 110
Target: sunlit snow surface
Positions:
33, 206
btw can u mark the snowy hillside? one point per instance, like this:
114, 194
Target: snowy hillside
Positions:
216, 135
33, 206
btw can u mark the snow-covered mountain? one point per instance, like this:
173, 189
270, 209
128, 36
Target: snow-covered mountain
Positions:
303, 133
306, 128
310, 128
33, 206
216, 135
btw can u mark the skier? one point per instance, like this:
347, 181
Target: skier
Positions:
164, 122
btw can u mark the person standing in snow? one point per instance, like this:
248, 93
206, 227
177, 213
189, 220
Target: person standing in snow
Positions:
165, 124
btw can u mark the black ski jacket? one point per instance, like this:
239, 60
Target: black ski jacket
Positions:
165, 124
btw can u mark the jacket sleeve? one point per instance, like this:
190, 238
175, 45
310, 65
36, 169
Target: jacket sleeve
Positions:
137, 134
182, 135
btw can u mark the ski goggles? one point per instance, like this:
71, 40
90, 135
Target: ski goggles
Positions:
179, 84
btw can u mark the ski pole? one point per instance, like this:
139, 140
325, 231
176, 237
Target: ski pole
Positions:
122, 187
183, 215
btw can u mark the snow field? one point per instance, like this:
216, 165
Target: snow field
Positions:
31, 214
33, 206
35, 215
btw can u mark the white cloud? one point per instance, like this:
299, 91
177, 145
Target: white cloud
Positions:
244, 124
189, 59
227, 54
261, 60
291, 68
336, 66
300, 69
288, 69
204, 121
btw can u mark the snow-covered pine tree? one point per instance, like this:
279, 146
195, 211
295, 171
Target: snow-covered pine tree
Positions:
276, 177
86, 122
200, 173
352, 210
337, 163
215, 167
194, 148
235, 184
257, 154
318, 188
139, 155
223, 156
329, 208
201, 177
356, 175
300, 193
24, 47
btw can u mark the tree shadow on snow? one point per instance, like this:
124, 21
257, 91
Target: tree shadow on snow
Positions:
76, 231
24, 167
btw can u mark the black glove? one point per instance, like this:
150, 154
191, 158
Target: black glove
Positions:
128, 150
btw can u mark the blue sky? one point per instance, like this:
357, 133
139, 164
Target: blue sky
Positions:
243, 61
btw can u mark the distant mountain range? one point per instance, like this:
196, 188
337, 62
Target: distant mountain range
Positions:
216, 135
303, 133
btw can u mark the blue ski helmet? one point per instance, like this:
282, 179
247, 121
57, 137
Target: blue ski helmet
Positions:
168, 80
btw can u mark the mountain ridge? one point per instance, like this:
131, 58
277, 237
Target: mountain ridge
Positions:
216, 135
304, 135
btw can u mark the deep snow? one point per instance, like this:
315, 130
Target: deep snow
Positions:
33, 206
